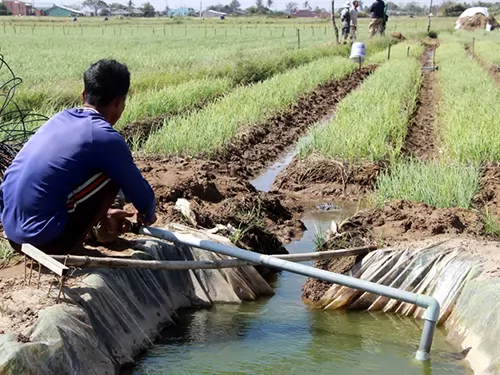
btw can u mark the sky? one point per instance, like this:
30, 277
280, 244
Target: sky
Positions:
277, 4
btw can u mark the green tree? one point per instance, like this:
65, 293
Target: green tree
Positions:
270, 3
451, 9
117, 6
291, 7
95, 5
234, 5
4, 11
148, 10
392, 6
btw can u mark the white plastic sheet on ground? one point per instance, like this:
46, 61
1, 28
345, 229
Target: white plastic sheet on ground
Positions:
110, 316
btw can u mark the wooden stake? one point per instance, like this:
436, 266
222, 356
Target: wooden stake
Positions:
39, 275
31, 271
335, 28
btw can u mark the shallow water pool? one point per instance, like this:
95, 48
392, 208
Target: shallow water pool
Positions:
279, 335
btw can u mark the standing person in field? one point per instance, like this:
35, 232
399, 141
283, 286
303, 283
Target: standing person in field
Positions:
66, 177
377, 15
345, 19
354, 20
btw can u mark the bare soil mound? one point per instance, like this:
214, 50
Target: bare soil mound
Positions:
478, 21
397, 222
420, 139
216, 197
398, 36
321, 177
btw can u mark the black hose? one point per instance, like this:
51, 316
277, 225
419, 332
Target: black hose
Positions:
16, 125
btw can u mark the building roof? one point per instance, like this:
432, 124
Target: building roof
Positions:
65, 8
215, 12
120, 12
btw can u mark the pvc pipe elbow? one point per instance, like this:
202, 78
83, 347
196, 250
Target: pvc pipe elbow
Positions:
432, 307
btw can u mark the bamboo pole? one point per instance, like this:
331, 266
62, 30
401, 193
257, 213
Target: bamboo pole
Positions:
96, 262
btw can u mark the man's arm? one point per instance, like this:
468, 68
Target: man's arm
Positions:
112, 156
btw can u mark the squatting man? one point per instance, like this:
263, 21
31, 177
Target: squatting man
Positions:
62, 184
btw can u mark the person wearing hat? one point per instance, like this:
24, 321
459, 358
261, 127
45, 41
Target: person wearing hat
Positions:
354, 20
345, 19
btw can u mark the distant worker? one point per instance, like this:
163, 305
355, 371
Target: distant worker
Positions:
345, 19
66, 177
354, 20
377, 15
386, 18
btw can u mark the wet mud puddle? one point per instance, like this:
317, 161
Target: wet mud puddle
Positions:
280, 335
264, 181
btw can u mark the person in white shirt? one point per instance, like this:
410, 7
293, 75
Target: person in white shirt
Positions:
354, 20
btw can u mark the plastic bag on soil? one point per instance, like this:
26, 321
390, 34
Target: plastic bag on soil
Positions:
434, 271
111, 315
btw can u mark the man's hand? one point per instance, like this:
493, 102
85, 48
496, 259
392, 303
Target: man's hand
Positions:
116, 221
142, 220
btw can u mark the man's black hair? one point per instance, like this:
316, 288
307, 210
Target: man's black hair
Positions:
105, 81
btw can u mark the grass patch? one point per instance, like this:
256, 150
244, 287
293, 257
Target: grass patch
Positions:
491, 224
371, 122
207, 130
400, 51
7, 253
468, 108
172, 100
434, 183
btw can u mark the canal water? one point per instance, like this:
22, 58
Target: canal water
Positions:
280, 335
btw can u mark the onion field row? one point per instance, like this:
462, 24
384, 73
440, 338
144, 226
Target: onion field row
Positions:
207, 130
370, 123
467, 135
488, 52
52, 79
468, 108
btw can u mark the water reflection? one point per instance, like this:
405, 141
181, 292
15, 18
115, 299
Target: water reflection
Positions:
280, 336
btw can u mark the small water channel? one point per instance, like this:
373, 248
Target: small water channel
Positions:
279, 335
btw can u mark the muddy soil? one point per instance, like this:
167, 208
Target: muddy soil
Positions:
494, 70
495, 73
216, 197
421, 137
396, 222
318, 177
22, 301
489, 191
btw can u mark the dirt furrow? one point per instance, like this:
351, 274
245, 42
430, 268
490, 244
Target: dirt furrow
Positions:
217, 187
264, 143
493, 70
421, 137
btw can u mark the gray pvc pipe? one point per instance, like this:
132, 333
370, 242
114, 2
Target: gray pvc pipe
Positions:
431, 315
